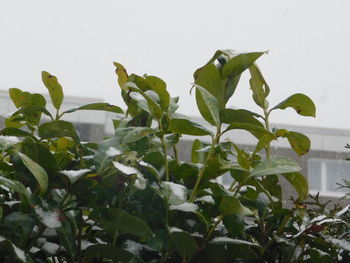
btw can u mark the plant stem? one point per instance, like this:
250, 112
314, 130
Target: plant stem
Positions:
164, 150
267, 126
201, 172
176, 153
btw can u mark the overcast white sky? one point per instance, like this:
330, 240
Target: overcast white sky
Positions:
77, 40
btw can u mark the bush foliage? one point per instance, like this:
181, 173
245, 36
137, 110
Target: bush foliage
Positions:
129, 197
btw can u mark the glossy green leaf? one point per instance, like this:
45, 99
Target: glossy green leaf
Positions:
298, 141
111, 252
209, 78
258, 86
98, 107
236, 65
242, 116
153, 106
198, 156
16, 187
67, 238
58, 129
33, 109
227, 53
54, 88
231, 205
37, 171
132, 134
122, 75
16, 132
299, 182
184, 244
159, 86
278, 165
112, 220
301, 103
264, 141
255, 130
184, 126
208, 106
31, 105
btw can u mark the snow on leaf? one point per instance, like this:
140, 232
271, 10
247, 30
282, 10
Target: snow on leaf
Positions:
176, 193
227, 240
111, 152
74, 175
206, 199
185, 207
51, 248
48, 218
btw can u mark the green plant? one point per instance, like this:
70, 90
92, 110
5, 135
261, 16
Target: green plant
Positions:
129, 197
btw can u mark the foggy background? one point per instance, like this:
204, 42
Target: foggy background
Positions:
77, 40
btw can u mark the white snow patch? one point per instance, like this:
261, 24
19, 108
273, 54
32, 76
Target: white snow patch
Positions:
190, 222
49, 232
227, 240
133, 247
174, 229
125, 169
10, 140
50, 247
185, 207
111, 152
206, 199
318, 218
11, 203
178, 192
74, 175
85, 244
19, 253
343, 211
34, 250
49, 218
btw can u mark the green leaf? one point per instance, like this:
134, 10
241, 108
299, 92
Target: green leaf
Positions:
242, 116
132, 134
198, 156
184, 126
98, 107
255, 130
58, 129
37, 171
298, 141
258, 86
208, 106
263, 142
299, 182
31, 105
301, 103
183, 243
122, 75
112, 220
13, 249
16, 132
236, 65
159, 86
278, 165
54, 88
231, 205
17, 187
111, 252
153, 106
67, 238
209, 78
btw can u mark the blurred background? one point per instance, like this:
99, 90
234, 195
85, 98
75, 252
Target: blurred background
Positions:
308, 43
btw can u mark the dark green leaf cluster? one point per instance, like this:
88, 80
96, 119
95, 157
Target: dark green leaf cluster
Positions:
131, 198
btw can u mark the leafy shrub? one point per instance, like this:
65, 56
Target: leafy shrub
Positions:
129, 198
